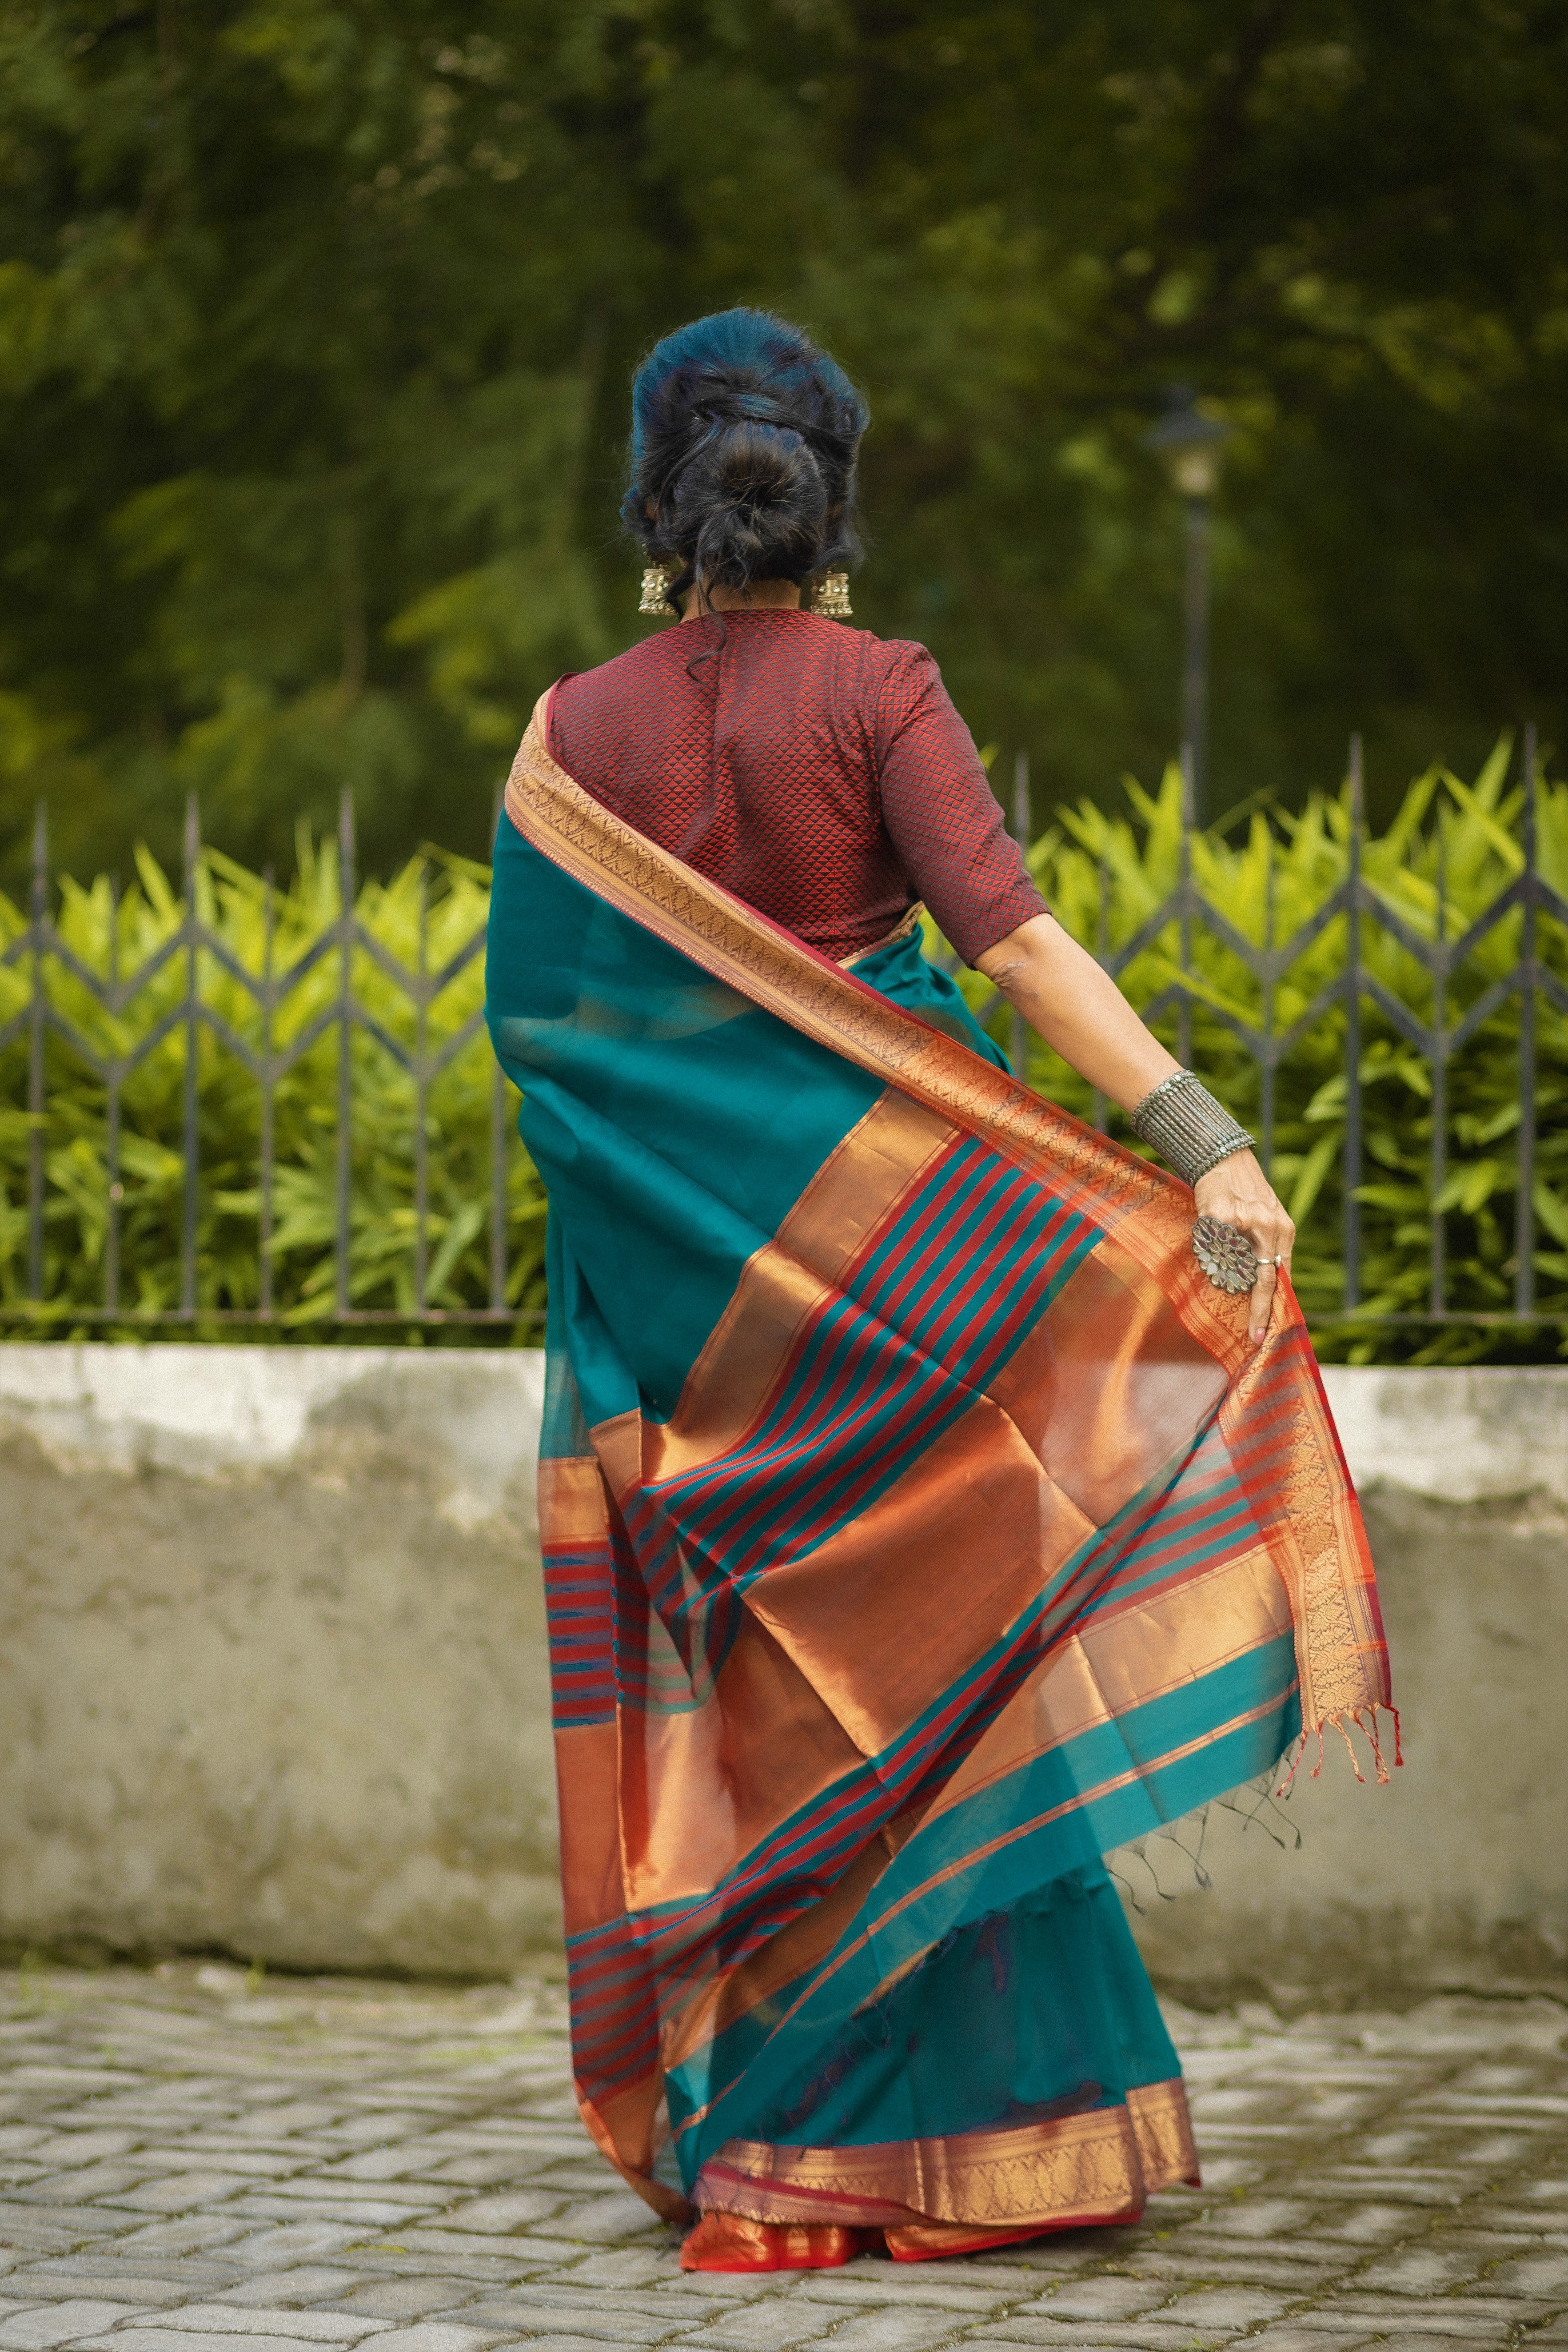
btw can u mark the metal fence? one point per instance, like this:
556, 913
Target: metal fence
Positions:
1437, 1041
40, 1036
197, 951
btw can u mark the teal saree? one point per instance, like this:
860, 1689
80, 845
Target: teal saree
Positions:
918, 1527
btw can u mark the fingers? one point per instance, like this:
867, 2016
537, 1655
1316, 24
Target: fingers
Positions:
1262, 1305
1237, 1193
1272, 1235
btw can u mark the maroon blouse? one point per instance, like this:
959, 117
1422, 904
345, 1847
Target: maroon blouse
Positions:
819, 773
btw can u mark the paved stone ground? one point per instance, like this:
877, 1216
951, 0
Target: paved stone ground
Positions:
194, 2157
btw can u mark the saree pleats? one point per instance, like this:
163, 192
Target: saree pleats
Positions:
918, 1527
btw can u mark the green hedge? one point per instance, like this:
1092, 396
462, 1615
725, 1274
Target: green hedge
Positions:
1473, 830
447, 898
1471, 835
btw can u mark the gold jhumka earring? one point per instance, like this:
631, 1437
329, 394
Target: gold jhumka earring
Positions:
656, 582
830, 597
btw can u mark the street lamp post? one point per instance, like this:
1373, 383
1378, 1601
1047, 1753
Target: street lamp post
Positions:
1189, 444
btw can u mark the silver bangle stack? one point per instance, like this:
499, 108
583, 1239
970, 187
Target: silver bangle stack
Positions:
1183, 1121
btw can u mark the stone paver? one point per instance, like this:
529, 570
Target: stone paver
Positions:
194, 2162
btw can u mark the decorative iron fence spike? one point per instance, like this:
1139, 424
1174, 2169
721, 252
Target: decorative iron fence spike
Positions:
1189, 805
1524, 1196
36, 1016
1351, 1175
1439, 1062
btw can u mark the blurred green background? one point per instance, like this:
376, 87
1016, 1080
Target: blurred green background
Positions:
316, 319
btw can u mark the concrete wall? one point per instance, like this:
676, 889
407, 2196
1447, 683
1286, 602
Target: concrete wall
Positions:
272, 1666
272, 1677
1457, 1873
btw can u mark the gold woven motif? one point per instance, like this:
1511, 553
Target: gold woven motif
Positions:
1092, 2165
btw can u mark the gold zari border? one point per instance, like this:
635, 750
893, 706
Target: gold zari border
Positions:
1096, 2165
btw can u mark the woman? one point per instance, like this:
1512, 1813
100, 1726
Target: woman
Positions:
919, 1520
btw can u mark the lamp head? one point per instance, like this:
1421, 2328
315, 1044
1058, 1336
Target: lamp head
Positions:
1188, 443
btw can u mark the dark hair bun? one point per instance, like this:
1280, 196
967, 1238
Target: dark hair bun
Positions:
751, 504
743, 462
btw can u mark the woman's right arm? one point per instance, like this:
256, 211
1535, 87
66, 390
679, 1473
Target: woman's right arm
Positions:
1077, 1009
946, 825
1082, 1015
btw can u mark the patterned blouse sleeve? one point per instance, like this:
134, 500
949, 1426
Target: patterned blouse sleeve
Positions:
941, 816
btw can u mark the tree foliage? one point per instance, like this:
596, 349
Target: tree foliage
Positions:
316, 318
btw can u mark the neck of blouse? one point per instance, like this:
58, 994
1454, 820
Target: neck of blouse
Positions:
760, 596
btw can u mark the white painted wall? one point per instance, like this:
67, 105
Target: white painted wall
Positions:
1461, 1436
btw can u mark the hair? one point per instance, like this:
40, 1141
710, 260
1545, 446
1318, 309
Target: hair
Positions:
742, 454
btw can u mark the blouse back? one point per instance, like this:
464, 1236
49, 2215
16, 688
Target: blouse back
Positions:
818, 773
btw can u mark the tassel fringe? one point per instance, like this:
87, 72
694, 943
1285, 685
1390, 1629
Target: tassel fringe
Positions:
1364, 1719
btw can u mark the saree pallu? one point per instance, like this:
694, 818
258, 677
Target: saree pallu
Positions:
918, 1527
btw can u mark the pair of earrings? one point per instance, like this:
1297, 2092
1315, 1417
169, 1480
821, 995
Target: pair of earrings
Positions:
829, 597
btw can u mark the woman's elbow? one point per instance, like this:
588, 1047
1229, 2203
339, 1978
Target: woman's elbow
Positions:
1009, 963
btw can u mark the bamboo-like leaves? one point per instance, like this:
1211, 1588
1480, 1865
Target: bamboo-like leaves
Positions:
429, 918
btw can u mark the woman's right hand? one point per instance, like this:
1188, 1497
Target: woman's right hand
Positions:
1238, 1193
